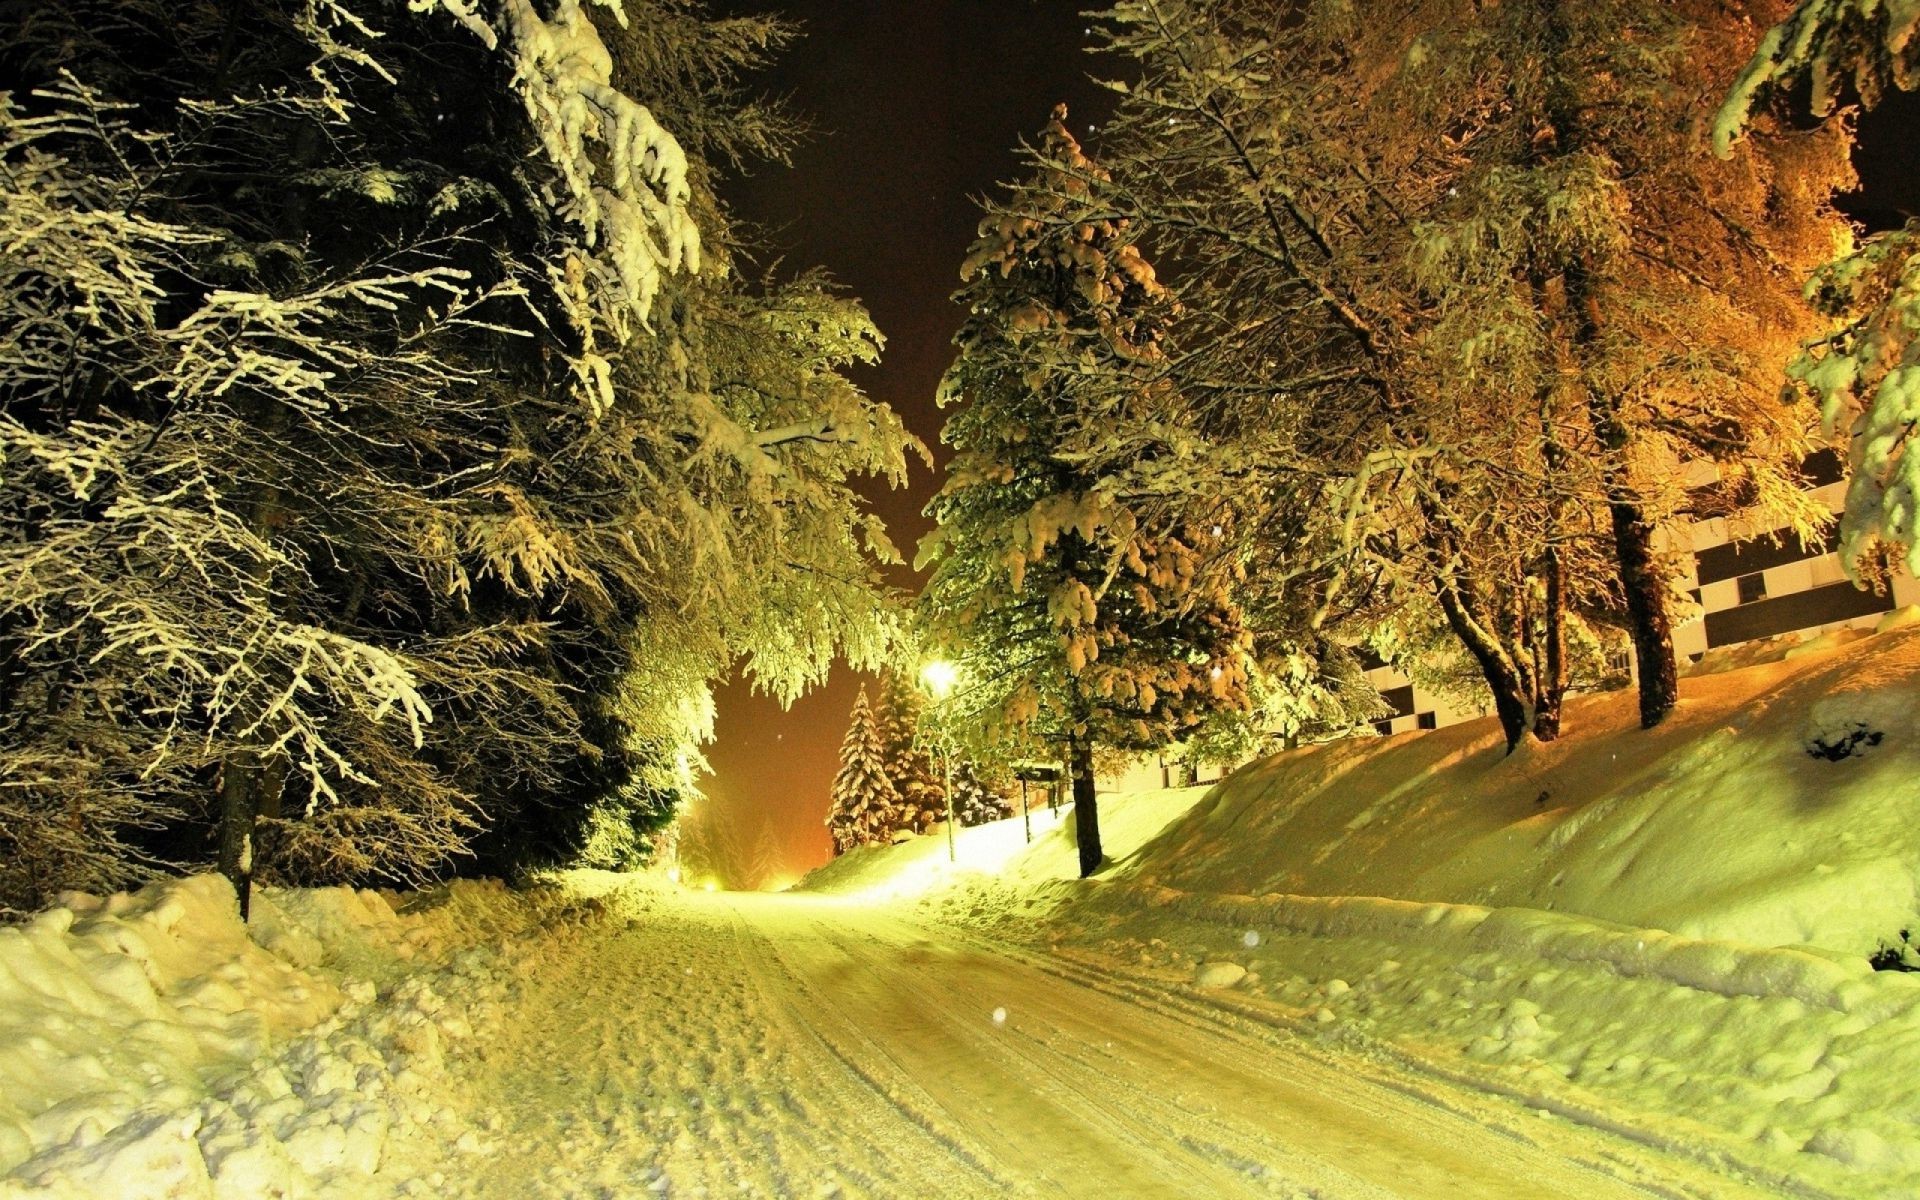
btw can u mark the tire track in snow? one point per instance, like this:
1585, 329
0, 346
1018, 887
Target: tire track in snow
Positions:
1646, 1158
1337, 1134
643, 1057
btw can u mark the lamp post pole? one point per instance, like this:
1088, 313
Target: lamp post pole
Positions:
953, 853
939, 677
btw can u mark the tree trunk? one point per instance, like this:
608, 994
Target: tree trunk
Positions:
1513, 703
1640, 577
1647, 610
1509, 700
239, 814
1086, 808
1551, 686
1553, 678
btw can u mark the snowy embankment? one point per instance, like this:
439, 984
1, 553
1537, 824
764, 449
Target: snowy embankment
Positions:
1665, 933
151, 1047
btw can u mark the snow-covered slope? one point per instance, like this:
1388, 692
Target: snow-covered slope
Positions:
1719, 824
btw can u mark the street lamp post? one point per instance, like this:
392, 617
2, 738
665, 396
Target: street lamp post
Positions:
939, 676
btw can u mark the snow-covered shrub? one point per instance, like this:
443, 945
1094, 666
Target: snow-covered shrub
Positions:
1851, 723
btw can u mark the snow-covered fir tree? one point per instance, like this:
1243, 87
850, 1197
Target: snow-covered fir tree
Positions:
919, 791
974, 801
1071, 617
375, 384
864, 803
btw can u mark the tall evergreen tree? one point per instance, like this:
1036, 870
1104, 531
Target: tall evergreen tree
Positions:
919, 790
1069, 615
360, 457
864, 801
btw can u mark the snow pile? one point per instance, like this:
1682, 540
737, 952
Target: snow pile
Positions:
150, 1047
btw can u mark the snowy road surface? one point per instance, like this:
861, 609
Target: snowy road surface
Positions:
803, 1046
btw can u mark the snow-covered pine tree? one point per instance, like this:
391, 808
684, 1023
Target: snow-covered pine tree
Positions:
1069, 614
1865, 374
766, 862
918, 786
863, 799
359, 457
974, 802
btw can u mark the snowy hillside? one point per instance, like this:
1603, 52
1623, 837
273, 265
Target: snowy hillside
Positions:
1719, 824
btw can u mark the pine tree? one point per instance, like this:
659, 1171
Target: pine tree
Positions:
921, 796
360, 458
1071, 617
864, 801
975, 803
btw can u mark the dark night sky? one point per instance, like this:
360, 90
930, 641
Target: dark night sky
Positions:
917, 105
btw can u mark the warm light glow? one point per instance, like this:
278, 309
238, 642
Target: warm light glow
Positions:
673, 874
709, 886
939, 676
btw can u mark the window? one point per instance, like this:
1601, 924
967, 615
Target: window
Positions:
1752, 587
1429, 720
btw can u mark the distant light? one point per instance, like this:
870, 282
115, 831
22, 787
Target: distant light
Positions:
939, 676
673, 874
709, 886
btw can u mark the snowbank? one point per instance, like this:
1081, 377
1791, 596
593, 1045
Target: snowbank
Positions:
999, 850
1774, 808
151, 1045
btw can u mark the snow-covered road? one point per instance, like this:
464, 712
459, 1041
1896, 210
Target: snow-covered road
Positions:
806, 1046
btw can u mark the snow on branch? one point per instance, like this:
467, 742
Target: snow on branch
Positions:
1866, 376
1871, 41
630, 199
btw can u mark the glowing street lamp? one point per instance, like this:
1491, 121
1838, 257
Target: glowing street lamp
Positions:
939, 676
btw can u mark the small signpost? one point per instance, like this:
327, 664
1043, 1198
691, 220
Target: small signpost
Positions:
1033, 772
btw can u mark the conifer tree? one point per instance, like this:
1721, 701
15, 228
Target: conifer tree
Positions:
1865, 372
921, 796
1071, 617
360, 457
864, 801
974, 802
